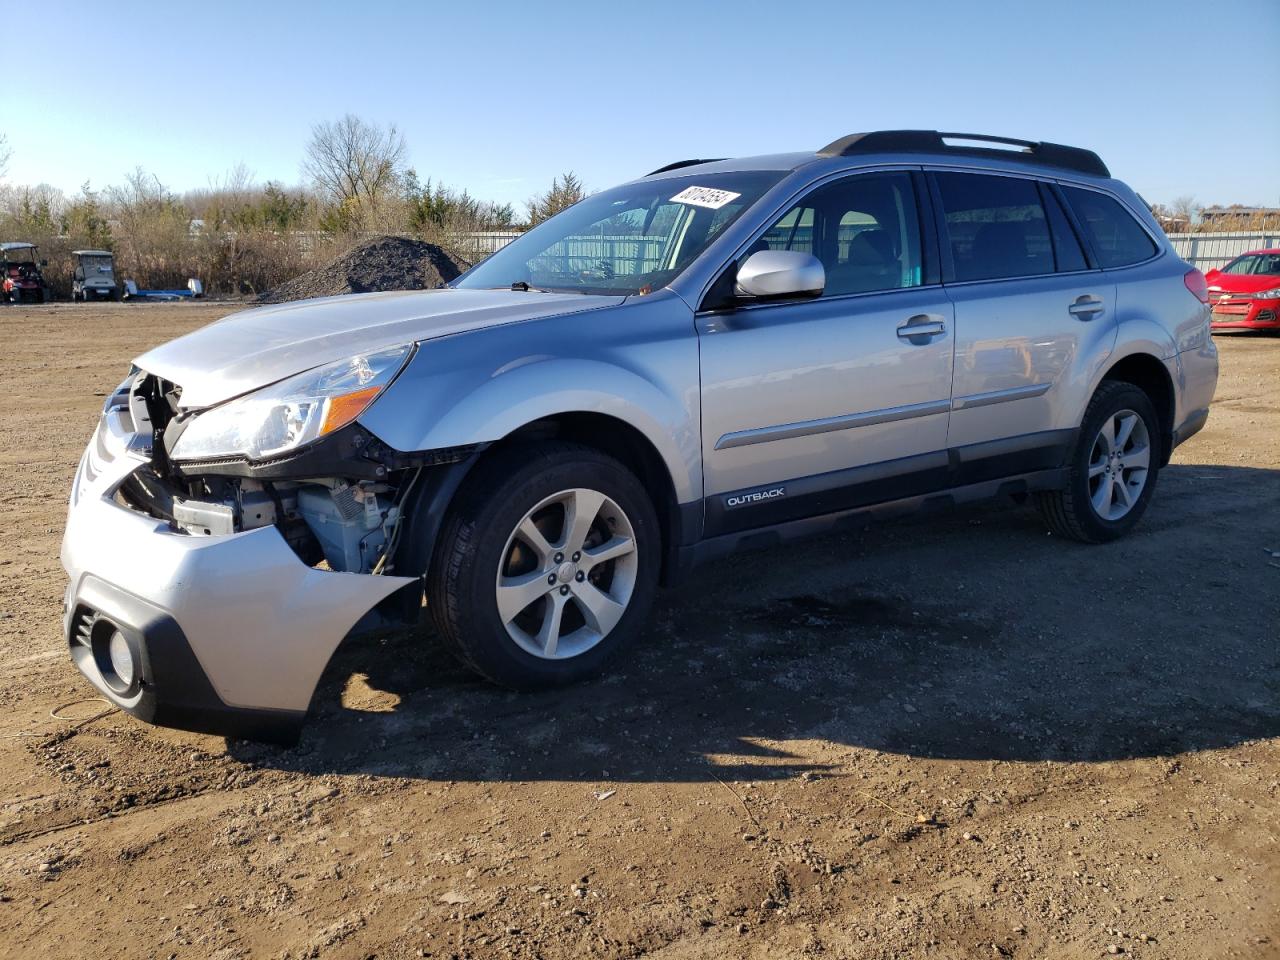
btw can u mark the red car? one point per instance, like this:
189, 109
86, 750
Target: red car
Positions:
1245, 294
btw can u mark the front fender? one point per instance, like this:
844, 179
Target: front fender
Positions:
479, 388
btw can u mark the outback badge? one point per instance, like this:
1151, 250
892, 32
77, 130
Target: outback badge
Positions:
757, 496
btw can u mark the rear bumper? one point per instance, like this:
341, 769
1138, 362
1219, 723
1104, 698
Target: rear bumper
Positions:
229, 634
1190, 427
1194, 373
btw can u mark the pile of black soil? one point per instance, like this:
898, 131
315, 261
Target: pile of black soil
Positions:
383, 263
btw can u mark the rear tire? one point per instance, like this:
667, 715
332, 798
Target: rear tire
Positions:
546, 565
1113, 469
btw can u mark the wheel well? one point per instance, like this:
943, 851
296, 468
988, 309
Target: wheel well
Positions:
624, 443
1150, 376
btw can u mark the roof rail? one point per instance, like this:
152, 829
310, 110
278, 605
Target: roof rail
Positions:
931, 141
681, 163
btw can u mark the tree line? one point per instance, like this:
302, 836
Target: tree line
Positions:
1185, 215
243, 237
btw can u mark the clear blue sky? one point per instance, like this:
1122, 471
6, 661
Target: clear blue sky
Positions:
1179, 98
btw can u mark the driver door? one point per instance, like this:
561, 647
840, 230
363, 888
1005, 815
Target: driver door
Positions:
816, 406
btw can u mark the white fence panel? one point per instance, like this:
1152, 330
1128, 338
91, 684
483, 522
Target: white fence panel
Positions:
1209, 250
481, 244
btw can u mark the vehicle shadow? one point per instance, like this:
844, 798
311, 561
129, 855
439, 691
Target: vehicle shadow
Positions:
970, 635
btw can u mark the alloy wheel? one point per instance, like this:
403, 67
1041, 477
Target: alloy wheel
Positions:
1119, 464
566, 574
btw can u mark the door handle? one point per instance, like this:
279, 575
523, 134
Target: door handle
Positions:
1085, 306
921, 326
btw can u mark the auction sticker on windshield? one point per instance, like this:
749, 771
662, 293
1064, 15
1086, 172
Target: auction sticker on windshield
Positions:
705, 197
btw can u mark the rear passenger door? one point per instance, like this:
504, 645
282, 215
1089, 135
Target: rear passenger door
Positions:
1032, 315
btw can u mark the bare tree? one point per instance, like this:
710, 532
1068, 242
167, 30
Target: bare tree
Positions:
356, 165
566, 190
1185, 208
238, 185
152, 228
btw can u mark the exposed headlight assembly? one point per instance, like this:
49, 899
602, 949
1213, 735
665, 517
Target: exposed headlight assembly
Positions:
292, 413
1272, 294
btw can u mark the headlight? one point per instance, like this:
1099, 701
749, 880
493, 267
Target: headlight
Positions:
1265, 294
293, 412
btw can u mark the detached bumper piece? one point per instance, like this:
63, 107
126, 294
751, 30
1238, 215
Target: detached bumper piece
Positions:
225, 633
138, 656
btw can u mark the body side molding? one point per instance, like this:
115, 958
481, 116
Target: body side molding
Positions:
846, 421
939, 472
1000, 396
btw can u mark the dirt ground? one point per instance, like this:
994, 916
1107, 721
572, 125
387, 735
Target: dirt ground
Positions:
949, 737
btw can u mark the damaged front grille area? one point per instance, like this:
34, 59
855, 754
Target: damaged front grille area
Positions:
351, 526
351, 523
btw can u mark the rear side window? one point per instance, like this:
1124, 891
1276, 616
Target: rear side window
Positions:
996, 226
1115, 235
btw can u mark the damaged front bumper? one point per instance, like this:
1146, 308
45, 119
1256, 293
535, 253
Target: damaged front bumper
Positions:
223, 634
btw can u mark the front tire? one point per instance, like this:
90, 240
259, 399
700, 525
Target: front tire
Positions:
546, 565
1113, 469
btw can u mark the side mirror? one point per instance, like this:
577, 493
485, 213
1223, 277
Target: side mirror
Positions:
778, 274
44, 263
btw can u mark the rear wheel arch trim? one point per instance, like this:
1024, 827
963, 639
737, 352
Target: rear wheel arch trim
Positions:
1139, 367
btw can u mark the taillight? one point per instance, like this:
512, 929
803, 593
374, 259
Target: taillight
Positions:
1197, 284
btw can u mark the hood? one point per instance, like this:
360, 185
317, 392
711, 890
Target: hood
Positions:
254, 348
1240, 282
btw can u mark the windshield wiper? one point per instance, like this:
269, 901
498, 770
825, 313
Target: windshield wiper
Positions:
522, 286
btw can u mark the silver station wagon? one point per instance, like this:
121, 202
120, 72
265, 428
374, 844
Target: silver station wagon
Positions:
723, 353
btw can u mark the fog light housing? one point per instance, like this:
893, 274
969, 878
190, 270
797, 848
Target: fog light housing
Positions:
116, 657
121, 657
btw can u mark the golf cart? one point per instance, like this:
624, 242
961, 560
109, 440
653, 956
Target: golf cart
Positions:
94, 277
20, 277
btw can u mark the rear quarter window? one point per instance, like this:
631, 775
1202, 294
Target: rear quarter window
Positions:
1115, 235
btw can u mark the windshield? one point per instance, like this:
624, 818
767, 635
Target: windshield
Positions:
99, 266
1267, 264
633, 239
20, 255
